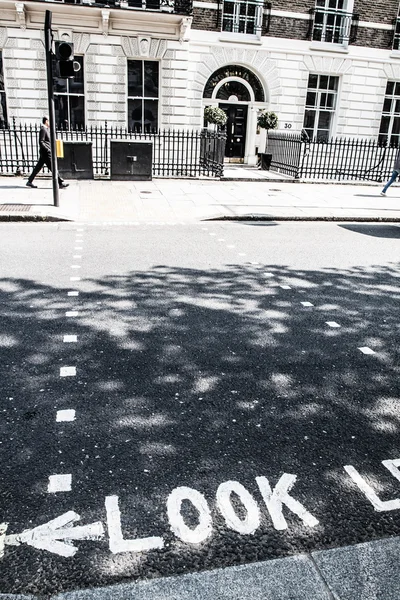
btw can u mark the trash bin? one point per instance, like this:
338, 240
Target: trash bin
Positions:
265, 161
131, 160
77, 162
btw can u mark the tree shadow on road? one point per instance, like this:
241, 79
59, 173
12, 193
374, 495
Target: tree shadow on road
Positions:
192, 377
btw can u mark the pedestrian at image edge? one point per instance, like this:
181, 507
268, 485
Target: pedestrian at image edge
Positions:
394, 175
44, 155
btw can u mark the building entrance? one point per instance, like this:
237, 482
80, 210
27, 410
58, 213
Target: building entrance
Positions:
236, 126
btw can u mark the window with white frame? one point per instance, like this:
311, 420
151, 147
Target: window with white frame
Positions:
320, 106
242, 16
389, 131
332, 21
69, 99
3, 105
143, 86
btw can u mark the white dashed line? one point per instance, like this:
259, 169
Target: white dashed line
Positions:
286, 287
74, 278
67, 371
366, 350
332, 324
268, 274
306, 304
77, 256
78, 248
231, 246
70, 339
221, 240
71, 313
59, 483
212, 234
65, 415
75, 266
78, 230
241, 254
72, 293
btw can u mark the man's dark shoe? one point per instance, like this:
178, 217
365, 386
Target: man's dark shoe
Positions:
63, 185
29, 184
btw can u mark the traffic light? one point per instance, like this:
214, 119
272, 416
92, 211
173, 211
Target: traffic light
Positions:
65, 59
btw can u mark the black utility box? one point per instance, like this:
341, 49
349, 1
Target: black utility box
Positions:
131, 160
77, 162
265, 161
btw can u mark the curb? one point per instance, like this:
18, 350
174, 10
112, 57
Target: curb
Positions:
301, 218
9, 217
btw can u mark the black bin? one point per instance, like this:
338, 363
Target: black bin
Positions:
131, 160
77, 162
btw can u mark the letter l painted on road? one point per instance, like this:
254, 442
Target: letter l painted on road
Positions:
117, 543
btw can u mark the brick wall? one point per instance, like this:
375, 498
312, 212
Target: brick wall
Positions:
282, 27
300, 6
377, 11
206, 18
374, 38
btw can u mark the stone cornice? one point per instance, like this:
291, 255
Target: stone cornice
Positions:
91, 19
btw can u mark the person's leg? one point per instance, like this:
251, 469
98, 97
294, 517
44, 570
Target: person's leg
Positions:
390, 182
37, 169
48, 165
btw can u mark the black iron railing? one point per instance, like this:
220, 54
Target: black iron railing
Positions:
336, 159
396, 34
187, 153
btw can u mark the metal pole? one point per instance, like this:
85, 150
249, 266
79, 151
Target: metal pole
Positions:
50, 94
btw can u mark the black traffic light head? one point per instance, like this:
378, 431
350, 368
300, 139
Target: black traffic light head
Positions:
65, 59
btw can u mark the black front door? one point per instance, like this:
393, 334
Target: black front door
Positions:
235, 129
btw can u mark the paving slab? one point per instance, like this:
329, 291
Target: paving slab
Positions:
367, 571
294, 578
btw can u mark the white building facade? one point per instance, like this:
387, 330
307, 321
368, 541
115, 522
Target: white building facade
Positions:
318, 64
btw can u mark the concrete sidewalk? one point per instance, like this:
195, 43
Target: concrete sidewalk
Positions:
184, 200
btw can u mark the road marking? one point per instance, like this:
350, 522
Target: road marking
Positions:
71, 313
332, 324
212, 234
286, 287
252, 520
254, 263
378, 504
50, 535
70, 339
231, 246
306, 304
72, 293
279, 496
65, 415
67, 371
242, 254
75, 266
80, 230
74, 278
77, 256
116, 540
221, 240
268, 274
78, 248
59, 483
366, 350
174, 504
392, 466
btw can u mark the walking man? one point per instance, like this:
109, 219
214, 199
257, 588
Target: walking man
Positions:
44, 155
395, 173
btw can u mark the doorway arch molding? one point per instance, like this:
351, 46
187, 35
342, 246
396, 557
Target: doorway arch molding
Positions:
257, 61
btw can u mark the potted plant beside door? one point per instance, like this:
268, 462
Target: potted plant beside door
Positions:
267, 120
214, 115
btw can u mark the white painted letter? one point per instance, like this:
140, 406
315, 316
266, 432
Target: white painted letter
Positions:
252, 520
117, 543
178, 526
376, 502
274, 499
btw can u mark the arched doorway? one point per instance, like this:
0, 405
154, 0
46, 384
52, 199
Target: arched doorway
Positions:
240, 93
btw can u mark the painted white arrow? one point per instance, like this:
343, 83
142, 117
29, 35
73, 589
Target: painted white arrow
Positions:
48, 536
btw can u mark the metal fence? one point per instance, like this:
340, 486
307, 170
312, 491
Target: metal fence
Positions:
338, 158
188, 153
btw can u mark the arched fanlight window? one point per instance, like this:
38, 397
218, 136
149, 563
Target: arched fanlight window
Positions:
233, 88
239, 72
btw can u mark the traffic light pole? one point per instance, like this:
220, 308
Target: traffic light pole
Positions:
50, 93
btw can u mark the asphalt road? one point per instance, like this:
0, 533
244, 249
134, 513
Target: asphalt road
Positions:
197, 379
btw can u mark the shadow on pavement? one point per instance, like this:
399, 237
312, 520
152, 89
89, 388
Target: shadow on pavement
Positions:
192, 377
379, 230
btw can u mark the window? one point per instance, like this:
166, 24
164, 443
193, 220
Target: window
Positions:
390, 122
69, 100
320, 106
331, 22
3, 107
143, 95
242, 16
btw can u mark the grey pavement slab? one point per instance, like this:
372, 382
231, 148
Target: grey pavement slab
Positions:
294, 578
367, 571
